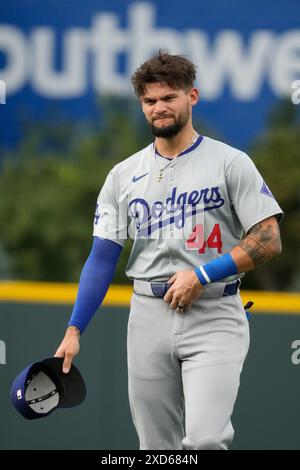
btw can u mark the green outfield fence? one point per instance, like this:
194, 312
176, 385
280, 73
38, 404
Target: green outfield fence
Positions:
33, 319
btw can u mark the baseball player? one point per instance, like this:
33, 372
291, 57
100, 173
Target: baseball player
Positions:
200, 216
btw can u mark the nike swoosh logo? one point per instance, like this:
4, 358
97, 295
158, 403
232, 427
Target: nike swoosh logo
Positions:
136, 178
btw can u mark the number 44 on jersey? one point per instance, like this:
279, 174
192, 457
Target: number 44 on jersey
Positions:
196, 240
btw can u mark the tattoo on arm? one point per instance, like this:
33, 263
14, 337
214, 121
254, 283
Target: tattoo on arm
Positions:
257, 243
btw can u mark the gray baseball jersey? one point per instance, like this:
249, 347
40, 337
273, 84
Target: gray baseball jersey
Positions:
180, 214
206, 200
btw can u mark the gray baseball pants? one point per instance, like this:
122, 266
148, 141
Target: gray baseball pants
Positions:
184, 371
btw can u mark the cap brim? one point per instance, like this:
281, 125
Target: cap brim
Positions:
71, 386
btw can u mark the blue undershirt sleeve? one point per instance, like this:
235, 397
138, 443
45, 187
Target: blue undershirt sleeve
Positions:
94, 281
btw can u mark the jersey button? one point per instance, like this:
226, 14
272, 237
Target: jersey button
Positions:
172, 170
172, 183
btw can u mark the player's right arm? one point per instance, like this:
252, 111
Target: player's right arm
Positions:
110, 233
94, 282
69, 347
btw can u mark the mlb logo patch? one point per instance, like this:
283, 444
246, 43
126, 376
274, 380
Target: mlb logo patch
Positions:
19, 394
265, 190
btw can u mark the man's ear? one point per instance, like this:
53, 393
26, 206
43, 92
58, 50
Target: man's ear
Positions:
194, 96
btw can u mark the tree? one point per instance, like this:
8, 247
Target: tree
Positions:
50, 183
49, 188
276, 154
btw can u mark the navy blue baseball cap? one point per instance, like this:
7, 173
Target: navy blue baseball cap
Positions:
42, 387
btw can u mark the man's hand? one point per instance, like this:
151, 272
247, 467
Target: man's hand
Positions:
69, 347
185, 290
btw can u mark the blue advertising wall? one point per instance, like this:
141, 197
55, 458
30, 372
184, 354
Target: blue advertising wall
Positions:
59, 55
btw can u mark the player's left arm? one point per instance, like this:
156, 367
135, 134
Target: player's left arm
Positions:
246, 189
261, 244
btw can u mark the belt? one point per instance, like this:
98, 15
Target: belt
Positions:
210, 291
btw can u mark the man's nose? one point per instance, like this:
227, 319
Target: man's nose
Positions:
160, 107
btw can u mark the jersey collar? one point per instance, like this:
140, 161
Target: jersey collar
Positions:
190, 149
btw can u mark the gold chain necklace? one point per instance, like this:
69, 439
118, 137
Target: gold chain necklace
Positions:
161, 169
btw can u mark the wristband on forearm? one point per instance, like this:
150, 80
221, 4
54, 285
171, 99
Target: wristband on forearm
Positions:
216, 270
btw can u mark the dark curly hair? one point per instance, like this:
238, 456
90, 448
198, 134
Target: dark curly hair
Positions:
175, 70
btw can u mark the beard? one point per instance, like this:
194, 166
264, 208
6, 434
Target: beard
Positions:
172, 129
